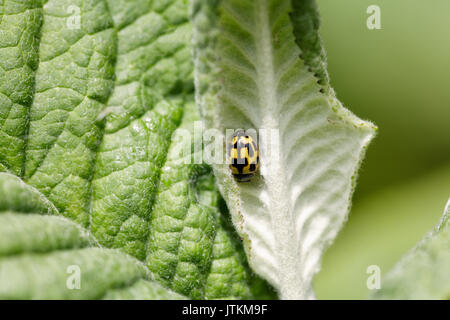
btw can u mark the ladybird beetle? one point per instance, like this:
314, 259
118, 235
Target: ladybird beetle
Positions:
243, 156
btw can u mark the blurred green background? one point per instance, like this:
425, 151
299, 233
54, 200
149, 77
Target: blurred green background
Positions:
399, 78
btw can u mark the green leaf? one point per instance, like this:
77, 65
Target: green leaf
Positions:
87, 117
422, 273
250, 74
306, 24
37, 251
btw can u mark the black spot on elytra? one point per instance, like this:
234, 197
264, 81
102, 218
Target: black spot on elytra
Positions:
250, 150
239, 163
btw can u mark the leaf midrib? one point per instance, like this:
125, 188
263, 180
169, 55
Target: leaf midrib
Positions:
281, 216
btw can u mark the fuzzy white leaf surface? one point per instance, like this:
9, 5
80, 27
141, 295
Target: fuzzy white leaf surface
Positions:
249, 74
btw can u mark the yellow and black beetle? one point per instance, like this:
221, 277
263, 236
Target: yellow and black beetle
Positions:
243, 156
